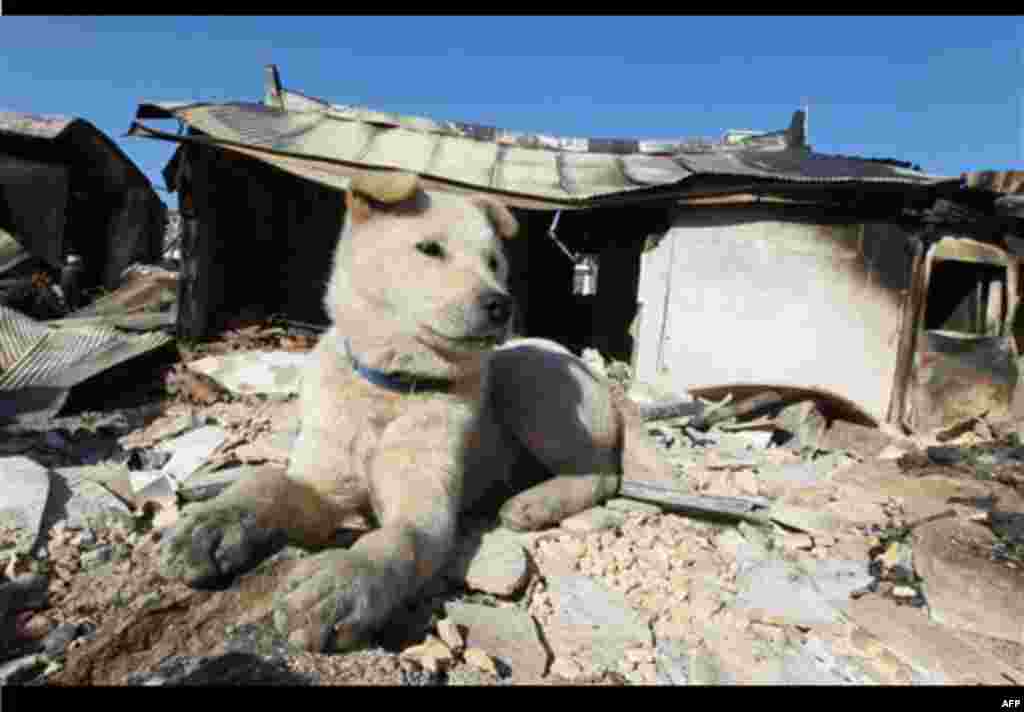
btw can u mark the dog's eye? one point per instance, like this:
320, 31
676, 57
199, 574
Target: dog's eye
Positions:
431, 248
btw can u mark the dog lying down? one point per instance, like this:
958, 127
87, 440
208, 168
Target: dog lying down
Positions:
413, 411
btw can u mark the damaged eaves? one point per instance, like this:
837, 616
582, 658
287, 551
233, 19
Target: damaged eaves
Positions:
327, 143
864, 227
68, 188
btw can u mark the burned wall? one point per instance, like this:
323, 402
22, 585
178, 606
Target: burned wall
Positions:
755, 295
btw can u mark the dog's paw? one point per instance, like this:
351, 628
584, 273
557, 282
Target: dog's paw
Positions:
207, 550
332, 601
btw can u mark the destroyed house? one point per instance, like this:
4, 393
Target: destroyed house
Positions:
741, 263
66, 188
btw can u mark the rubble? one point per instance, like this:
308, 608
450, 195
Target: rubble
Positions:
508, 635
778, 535
26, 488
269, 373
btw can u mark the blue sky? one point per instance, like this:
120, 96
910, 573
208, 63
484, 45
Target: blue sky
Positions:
944, 92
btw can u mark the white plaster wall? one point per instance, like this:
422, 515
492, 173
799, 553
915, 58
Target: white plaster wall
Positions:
767, 301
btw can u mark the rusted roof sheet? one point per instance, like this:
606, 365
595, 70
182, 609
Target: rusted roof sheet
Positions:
327, 142
996, 181
1009, 183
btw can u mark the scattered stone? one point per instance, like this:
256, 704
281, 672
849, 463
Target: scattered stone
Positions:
774, 591
804, 422
965, 589
191, 450
746, 483
449, 633
796, 541
807, 520
507, 634
78, 499
778, 478
480, 660
621, 504
897, 562
673, 662
859, 439
230, 668
594, 519
97, 556
432, 654
593, 618
934, 652
813, 663
494, 563
706, 669
26, 488
270, 373
566, 668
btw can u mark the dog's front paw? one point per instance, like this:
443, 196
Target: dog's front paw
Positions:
333, 601
207, 550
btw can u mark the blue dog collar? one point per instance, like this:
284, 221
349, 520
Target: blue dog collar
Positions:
400, 383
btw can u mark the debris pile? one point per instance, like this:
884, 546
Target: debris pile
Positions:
796, 549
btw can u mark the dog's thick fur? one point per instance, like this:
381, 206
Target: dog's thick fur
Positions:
418, 287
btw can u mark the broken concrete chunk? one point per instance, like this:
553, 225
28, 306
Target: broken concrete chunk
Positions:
774, 591
271, 373
78, 499
191, 450
24, 490
506, 634
592, 620
494, 563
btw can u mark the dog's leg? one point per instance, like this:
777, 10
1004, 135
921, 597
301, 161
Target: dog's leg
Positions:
572, 422
555, 499
336, 599
253, 519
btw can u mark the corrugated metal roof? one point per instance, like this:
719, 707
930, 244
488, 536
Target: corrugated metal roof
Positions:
327, 142
47, 126
39, 363
1009, 183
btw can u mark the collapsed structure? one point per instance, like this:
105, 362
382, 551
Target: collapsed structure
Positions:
65, 188
750, 262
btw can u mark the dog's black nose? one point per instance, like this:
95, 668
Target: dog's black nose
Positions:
498, 307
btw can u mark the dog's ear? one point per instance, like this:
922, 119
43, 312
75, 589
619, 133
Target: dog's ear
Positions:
369, 192
502, 218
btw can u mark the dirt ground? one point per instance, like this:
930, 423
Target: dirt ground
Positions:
112, 620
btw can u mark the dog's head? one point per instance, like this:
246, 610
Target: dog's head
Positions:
430, 265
